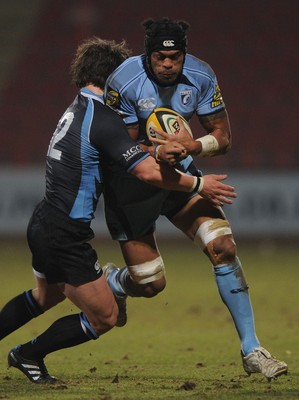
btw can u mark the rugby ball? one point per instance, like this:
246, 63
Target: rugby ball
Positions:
165, 120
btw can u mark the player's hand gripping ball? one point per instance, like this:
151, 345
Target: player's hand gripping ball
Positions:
165, 120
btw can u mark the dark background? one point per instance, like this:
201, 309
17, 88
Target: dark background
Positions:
251, 45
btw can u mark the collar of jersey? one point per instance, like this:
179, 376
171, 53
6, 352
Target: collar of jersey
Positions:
88, 93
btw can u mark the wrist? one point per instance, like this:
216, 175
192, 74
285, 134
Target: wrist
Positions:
209, 145
200, 183
197, 184
196, 148
156, 152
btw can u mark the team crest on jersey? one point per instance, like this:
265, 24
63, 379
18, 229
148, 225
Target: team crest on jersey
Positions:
186, 96
147, 104
217, 98
112, 98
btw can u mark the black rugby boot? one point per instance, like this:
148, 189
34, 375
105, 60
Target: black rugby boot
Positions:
35, 371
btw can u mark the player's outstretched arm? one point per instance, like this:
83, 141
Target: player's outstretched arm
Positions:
210, 186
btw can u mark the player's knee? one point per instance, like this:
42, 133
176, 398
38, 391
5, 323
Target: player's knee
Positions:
150, 276
154, 288
215, 237
47, 296
108, 318
100, 323
222, 250
103, 323
49, 301
109, 321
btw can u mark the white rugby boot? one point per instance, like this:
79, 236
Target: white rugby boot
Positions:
261, 361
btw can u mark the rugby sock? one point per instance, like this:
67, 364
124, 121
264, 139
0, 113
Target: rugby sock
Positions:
17, 312
117, 281
122, 284
233, 290
65, 332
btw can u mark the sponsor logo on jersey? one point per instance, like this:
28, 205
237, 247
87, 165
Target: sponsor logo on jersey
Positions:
132, 152
146, 104
186, 96
112, 98
217, 98
168, 43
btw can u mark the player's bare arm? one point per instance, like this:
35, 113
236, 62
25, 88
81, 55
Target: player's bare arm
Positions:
133, 131
209, 186
218, 126
161, 175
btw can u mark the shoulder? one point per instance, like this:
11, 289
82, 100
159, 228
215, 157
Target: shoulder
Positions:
196, 67
127, 72
107, 117
106, 124
125, 81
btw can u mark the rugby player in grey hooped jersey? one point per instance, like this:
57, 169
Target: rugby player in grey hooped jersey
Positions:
64, 263
166, 76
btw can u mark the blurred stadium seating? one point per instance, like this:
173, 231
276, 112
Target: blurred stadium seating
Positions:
250, 45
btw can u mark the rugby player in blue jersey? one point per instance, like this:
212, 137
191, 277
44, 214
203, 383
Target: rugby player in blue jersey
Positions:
65, 265
167, 76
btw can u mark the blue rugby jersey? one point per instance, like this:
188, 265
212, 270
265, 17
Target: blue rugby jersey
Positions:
131, 91
87, 132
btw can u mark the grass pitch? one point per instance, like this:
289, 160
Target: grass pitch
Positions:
180, 345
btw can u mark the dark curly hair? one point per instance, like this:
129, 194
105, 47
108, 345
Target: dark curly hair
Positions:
95, 60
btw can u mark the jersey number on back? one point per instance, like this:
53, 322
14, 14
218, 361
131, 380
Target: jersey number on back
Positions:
59, 133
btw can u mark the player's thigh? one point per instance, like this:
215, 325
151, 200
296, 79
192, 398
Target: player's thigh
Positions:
94, 298
140, 251
194, 213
